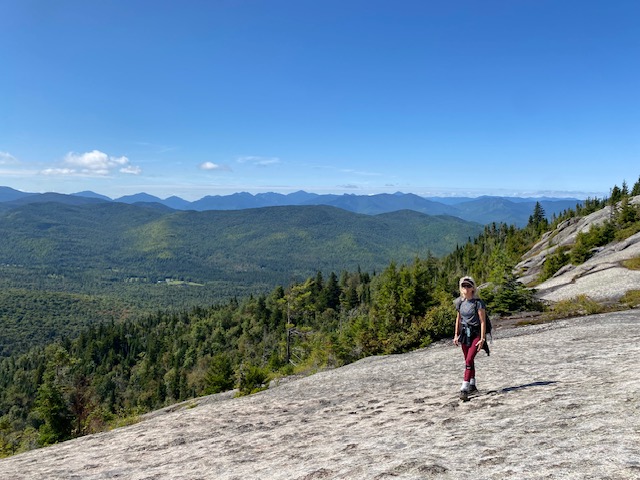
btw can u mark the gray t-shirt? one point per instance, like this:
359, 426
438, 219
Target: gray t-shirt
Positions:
469, 311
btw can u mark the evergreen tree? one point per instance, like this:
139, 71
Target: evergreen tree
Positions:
52, 403
615, 195
627, 214
537, 221
331, 293
54, 412
219, 377
636, 188
624, 191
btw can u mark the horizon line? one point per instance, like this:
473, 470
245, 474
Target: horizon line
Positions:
445, 194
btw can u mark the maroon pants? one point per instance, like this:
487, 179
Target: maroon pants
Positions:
469, 352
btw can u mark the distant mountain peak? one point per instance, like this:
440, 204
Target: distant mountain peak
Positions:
139, 197
90, 194
8, 194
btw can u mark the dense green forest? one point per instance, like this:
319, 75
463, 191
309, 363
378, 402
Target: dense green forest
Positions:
89, 246
107, 261
108, 372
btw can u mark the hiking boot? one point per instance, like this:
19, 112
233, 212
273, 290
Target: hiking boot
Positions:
464, 395
472, 389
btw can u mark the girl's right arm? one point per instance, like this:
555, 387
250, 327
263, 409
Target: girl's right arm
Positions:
456, 335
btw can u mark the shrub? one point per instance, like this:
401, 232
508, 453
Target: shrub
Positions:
631, 298
553, 263
577, 306
626, 232
219, 376
253, 379
440, 322
509, 297
632, 263
595, 237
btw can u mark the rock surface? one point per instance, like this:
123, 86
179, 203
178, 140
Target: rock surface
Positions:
558, 400
603, 277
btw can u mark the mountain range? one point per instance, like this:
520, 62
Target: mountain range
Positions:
143, 240
483, 210
68, 261
88, 245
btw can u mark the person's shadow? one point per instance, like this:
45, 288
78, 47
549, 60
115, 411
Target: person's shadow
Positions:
521, 387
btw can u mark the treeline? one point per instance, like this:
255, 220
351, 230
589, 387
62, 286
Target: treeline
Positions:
124, 368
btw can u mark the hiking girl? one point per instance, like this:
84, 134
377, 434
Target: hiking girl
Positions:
470, 331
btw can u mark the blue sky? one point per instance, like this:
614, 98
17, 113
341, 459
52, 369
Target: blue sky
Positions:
195, 98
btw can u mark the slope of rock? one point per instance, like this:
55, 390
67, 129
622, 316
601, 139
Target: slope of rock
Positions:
557, 401
602, 277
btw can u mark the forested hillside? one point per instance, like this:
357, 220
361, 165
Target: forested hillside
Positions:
76, 265
114, 371
94, 245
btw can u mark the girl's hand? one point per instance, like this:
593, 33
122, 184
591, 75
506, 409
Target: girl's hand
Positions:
455, 340
479, 344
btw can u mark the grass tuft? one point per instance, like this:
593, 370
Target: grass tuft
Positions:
632, 263
631, 298
575, 307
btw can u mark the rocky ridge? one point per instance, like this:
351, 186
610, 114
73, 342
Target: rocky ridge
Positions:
602, 277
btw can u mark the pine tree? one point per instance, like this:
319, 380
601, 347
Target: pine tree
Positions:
219, 377
615, 196
52, 403
624, 191
537, 221
331, 293
636, 188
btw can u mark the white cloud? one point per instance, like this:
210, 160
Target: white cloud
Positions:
213, 166
7, 159
94, 163
131, 170
58, 171
259, 161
